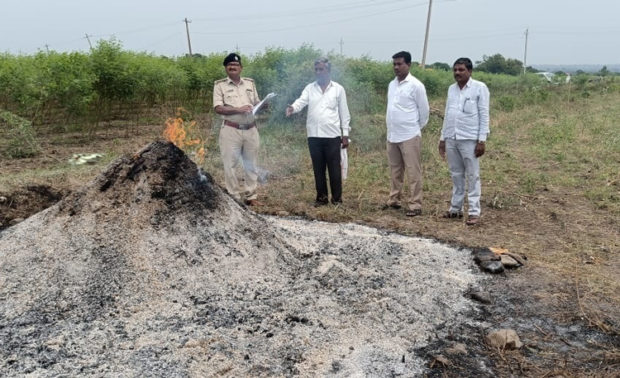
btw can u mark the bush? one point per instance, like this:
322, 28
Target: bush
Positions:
21, 137
114, 77
18, 82
65, 80
506, 103
157, 80
108, 80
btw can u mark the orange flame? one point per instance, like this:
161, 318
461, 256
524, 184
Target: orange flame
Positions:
185, 135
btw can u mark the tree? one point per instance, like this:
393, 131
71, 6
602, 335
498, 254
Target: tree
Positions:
604, 71
441, 66
111, 67
498, 64
531, 69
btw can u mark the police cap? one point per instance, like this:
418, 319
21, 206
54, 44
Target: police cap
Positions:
232, 57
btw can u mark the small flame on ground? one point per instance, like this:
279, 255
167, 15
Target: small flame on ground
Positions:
185, 135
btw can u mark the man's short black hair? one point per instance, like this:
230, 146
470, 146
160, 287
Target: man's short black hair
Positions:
403, 54
466, 61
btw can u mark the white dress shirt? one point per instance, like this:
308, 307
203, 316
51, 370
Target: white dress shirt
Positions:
328, 113
467, 112
407, 109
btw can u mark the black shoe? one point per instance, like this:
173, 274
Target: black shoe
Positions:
337, 202
391, 207
413, 213
318, 203
452, 214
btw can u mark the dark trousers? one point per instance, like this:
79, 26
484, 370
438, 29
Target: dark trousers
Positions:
325, 153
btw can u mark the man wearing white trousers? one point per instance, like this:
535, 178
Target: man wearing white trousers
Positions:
463, 136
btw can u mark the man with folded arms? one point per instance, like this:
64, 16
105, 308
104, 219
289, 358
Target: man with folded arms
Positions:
327, 126
463, 136
233, 99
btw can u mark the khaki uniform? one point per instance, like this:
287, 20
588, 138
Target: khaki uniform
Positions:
238, 143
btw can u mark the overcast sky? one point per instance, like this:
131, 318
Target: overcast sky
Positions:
560, 31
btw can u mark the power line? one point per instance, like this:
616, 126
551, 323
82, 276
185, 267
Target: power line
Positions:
137, 30
314, 24
359, 5
161, 40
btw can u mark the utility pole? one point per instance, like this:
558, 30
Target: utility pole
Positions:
341, 44
88, 39
428, 25
525, 52
189, 43
47, 48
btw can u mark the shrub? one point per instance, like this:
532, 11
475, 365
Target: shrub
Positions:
506, 103
21, 137
65, 80
112, 69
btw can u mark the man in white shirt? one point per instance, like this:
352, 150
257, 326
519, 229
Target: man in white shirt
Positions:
407, 114
463, 137
328, 128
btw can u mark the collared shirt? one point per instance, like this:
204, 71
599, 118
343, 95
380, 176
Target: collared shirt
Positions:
328, 112
467, 112
407, 109
226, 92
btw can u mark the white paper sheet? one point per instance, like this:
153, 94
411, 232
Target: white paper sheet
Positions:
344, 163
258, 106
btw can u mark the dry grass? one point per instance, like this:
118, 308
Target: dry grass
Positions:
551, 190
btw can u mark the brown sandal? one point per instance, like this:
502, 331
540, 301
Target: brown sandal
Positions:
472, 220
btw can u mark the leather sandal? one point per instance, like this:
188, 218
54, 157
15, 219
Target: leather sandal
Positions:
253, 202
472, 220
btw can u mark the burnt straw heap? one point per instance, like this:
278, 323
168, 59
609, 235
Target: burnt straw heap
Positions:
152, 270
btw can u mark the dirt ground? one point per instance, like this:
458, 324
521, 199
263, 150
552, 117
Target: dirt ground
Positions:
564, 306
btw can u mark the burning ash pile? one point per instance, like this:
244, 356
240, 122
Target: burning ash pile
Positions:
151, 270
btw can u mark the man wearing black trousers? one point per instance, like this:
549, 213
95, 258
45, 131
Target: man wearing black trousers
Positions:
328, 129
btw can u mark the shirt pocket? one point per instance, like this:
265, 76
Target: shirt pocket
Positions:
249, 93
330, 103
470, 106
404, 101
231, 97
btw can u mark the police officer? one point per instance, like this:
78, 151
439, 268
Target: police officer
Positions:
233, 99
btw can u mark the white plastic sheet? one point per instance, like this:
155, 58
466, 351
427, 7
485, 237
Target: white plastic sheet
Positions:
344, 163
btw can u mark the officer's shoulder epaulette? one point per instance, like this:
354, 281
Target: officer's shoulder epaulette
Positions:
219, 81
248, 79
